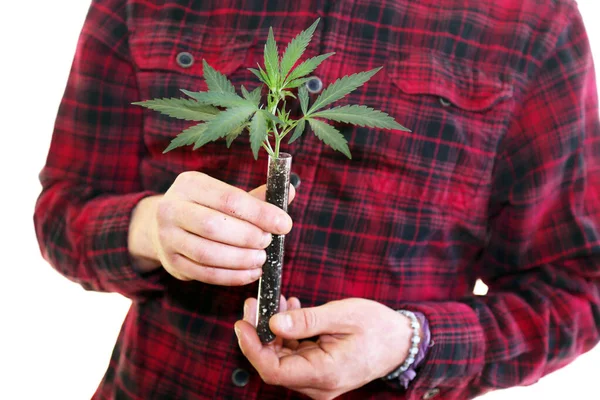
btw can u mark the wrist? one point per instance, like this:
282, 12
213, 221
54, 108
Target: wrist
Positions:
418, 342
140, 243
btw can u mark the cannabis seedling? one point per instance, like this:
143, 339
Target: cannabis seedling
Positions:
223, 113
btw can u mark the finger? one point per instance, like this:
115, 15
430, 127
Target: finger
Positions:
261, 192
307, 322
294, 303
218, 227
285, 371
213, 254
233, 201
214, 276
250, 307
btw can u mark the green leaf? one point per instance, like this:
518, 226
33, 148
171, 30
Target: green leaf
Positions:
296, 48
231, 136
186, 109
361, 116
272, 117
255, 95
341, 88
272, 59
260, 75
296, 83
287, 93
187, 137
218, 99
330, 136
307, 67
224, 123
298, 131
303, 96
258, 133
244, 92
216, 81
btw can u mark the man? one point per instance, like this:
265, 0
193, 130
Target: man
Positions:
499, 180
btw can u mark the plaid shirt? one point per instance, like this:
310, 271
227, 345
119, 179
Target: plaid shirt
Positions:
499, 180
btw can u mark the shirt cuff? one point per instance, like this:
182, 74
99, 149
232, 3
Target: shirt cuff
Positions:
107, 251
407, 376
458, 352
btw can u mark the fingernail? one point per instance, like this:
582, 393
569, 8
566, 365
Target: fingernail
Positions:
260, 258
255, 273
283, 321
282, 224
245, 310
267, 238
238, 333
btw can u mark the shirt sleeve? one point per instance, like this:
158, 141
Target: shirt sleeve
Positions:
91, 179
542, 261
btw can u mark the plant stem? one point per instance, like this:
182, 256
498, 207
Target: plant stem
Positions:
268, 149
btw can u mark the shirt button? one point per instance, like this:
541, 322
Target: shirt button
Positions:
185, 59
314, 84
431, 393
295, 180
240, 377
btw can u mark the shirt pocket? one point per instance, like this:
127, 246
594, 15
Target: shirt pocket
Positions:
161, 74
457, 113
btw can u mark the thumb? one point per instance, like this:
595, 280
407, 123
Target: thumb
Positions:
307, 322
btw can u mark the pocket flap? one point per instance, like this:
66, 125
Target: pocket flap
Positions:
465, 86
158, 49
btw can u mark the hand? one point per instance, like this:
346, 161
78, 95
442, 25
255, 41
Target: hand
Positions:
359, 341
206, 230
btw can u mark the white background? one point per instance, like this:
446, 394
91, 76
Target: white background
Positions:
55, 338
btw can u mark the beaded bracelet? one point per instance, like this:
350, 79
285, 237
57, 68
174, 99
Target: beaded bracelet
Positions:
414, 349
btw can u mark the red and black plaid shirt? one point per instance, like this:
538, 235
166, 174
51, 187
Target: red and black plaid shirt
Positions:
499, 180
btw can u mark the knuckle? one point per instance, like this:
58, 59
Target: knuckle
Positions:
200, 253
175, 265
187, 178
230, 202
210, 226
165, 211
163, 236
309, 319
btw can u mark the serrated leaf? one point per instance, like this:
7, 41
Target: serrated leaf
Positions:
341, 88
272, 117
218, 99
330, 136
255, 95
283, 116
361, 116
224, 123
298, 131
296, 83
296, 48
187, 137
272, 58
287, 93
231, 136
258, 132
186, 109
307, 67
303, 96
260, 76
244, 92
216, 81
